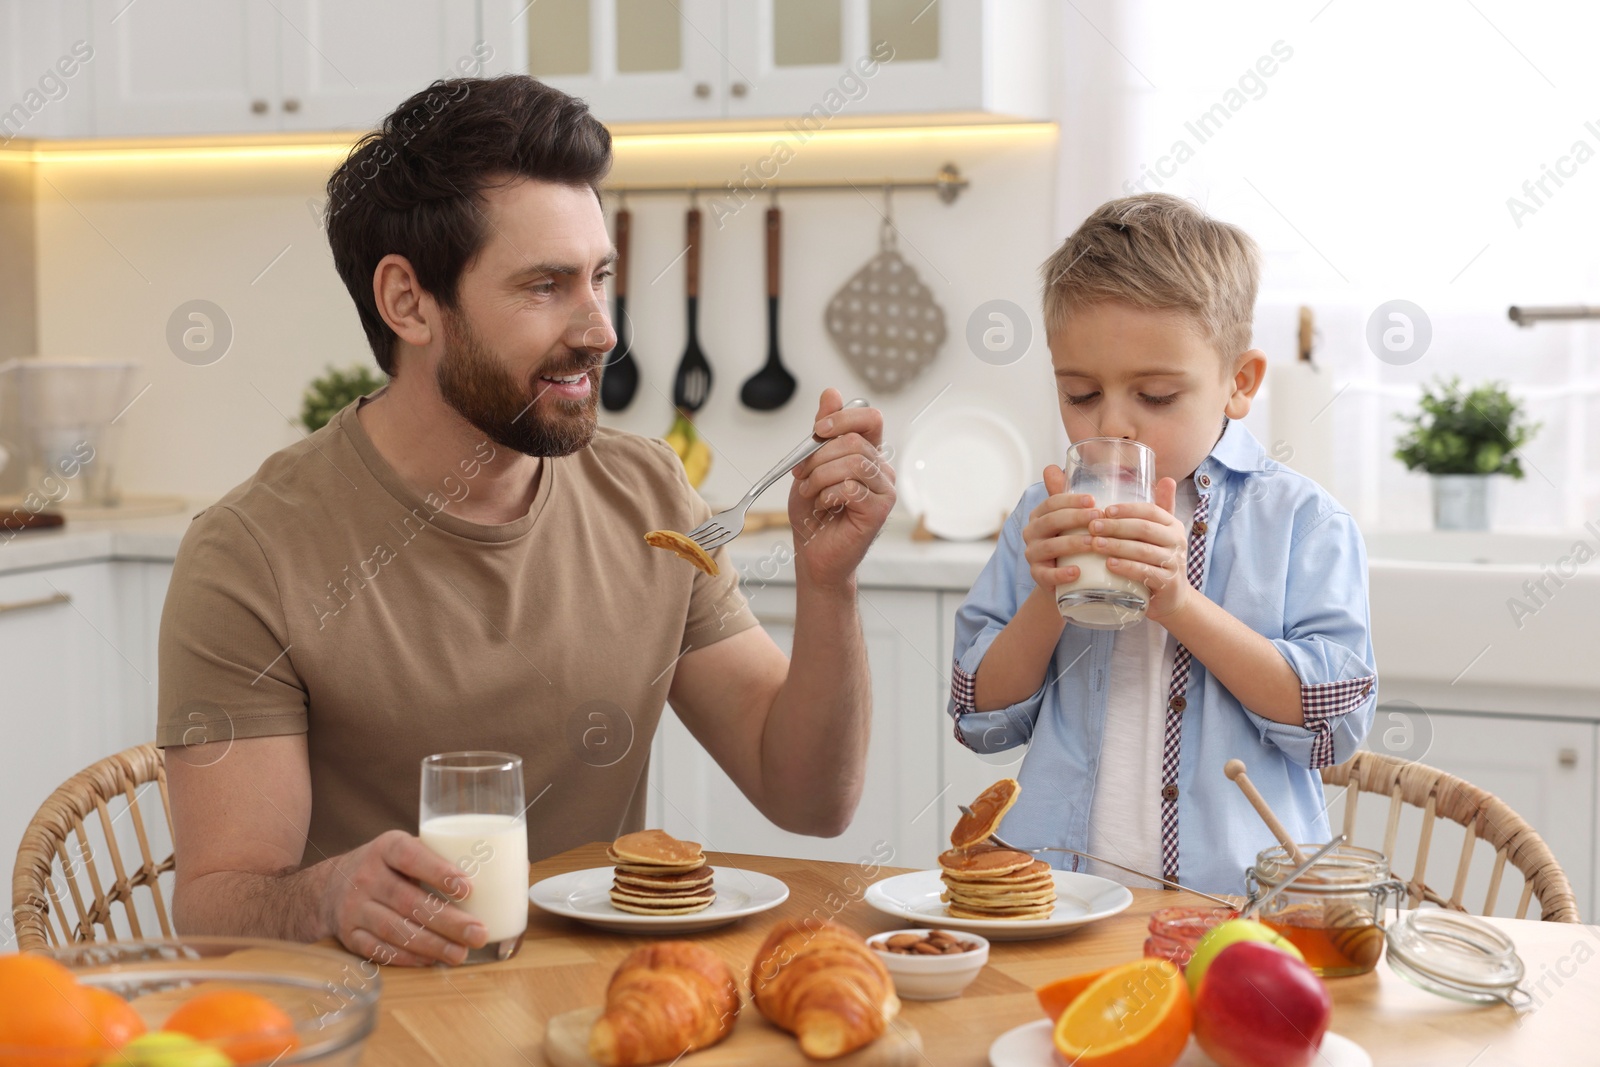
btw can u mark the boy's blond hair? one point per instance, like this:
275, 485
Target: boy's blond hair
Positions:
1158, 251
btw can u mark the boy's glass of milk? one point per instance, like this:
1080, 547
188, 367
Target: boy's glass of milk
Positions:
1114, 471
473, 816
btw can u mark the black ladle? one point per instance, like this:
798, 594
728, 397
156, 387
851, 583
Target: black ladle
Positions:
770, 387
620, 379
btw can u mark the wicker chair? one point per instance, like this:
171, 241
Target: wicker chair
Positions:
45, 860
1482, 814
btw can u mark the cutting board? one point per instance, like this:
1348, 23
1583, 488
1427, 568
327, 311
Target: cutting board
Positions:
754, 1040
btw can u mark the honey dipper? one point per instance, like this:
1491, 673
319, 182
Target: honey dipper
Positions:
1352, 930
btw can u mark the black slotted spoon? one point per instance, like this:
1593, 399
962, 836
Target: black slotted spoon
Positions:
620, 379
692, 385
770, 387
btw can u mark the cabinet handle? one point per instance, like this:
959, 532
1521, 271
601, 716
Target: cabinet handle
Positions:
44, 601
702, 89
740, 89
1567, 757
776, 620
291, 105
258, 107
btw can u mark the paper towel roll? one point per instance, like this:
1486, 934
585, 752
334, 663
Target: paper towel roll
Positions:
1300, 394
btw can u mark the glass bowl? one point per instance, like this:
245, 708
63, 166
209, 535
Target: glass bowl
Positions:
331, 996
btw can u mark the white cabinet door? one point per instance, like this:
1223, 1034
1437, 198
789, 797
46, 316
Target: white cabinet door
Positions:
963, 773
1543, 768
46, 70
68, 673
632, 60
813, 60
694, 799
178, 67
348, 63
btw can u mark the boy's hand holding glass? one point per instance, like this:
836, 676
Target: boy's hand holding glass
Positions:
1049, 534
1147, 543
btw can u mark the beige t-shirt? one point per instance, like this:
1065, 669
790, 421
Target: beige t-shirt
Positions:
325, 596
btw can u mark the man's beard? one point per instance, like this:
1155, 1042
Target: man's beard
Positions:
475, 384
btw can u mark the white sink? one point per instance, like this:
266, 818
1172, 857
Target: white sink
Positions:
1486, 609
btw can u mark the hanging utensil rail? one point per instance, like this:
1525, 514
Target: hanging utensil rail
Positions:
948, 183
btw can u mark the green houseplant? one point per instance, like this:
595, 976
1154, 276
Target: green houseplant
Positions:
326, 395
1462, 439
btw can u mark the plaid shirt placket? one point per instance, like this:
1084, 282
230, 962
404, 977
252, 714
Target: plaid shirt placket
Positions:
1176, 701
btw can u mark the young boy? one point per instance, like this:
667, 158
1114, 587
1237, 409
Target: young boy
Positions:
1255, 644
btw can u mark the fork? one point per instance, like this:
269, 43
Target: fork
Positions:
997, 839
724, 526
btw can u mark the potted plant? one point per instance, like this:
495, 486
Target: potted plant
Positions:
325, 396
1461, 439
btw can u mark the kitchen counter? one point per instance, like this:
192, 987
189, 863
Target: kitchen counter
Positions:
1442, 613
895, 561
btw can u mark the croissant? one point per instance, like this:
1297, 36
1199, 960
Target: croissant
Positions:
664, 1000
825, 986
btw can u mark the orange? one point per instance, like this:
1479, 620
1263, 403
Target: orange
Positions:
1135, 1015
247, 1027
1055, 996
45, 1016
114, 1018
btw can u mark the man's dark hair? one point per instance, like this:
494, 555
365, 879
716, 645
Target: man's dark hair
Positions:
414, 186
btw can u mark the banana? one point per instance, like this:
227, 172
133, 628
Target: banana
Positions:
691, 450
697, 464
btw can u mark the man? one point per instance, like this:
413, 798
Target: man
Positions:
456, 563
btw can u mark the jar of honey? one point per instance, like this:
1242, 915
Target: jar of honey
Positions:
1334, 913
1174, 932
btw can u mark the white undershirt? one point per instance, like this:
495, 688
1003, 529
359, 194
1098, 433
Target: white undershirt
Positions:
1125, 815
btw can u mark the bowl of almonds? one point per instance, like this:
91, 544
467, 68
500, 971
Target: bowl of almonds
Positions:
930, 964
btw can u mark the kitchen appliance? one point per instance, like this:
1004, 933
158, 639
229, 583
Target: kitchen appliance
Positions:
66, 412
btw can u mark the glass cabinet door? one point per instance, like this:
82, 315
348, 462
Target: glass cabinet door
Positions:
817, 60
632, 60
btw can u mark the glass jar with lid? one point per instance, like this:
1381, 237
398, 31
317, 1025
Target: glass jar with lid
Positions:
1174, 932
1334, 913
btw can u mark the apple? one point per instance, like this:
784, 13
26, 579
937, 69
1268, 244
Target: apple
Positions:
1261, 1007
165, 1048
1231, 932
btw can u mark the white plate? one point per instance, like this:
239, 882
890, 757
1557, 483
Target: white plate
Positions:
963, 470
1080, 898
586, 897
1030, 1045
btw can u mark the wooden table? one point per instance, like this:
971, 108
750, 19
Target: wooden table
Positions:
494, 1014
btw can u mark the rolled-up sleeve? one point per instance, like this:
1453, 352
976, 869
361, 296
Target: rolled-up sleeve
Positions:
1328, 642
992, 602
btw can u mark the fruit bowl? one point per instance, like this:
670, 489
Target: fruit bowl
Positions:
331, 997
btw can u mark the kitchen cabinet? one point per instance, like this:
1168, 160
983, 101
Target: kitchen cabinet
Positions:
810, 61
46, 69
691, 797
76, 653
262, 66
1543, 768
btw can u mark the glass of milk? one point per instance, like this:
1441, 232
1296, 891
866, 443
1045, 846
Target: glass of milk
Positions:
1113, 470
474, 817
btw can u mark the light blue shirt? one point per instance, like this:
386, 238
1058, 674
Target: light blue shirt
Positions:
1281, 556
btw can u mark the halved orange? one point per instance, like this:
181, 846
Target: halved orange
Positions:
1134, 1015
1055, 996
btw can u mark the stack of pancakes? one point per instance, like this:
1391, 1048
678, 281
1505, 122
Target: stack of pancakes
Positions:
989, 882
656, 874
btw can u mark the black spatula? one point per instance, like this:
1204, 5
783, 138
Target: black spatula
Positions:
770, 387
692, 385
620, 379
